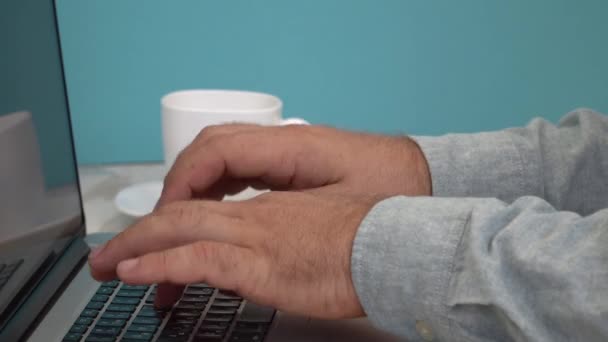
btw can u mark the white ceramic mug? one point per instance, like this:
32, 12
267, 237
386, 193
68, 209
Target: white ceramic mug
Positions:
186, 112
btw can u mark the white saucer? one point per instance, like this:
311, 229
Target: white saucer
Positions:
138, 200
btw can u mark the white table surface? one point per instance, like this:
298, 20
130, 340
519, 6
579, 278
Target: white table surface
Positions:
100, 184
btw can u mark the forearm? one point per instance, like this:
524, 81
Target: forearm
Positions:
480, 269
567, 165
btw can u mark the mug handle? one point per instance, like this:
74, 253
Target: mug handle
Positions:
293, 121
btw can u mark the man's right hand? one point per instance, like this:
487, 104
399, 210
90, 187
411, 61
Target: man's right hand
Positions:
225, 159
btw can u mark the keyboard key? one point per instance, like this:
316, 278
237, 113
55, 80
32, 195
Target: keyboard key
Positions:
215, 325
112, 284
256, 313
191, 306
113, 323
188, 321
89, 313
139, 336
147, 320
149, 313
221, 332
181, 325
95, 305
227, 295
199, 291
176, 334
105, 331
125, 300
72, 336
95, 338
100, 298
84, 321
186, 313
150, 309
218, 318
195, 298
229, 303
221, 311
186, 329
208, 336
121, 308
142, 328
80, 329
115, 315
105, 291
135, 287
130, 293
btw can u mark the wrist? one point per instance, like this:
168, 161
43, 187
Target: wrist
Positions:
421, 168
418, 182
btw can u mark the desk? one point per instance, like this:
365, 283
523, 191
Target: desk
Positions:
99, 185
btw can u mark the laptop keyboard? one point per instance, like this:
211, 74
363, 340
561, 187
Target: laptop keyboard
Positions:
120, 312
7, 271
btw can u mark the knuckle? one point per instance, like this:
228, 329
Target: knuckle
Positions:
163, 265
208, 131
183, 212
181, 158
216, 142
200, 252
150, 223
165, 210
173, 209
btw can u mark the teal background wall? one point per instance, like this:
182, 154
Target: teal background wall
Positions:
423, 67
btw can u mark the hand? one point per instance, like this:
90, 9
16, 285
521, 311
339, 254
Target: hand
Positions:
289, 250
226, 159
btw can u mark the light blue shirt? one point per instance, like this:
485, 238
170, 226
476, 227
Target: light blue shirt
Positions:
512, 247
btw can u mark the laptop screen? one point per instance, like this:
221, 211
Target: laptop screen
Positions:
40, 209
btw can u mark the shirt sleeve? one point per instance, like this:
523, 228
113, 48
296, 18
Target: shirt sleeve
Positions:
566, 165
479, 269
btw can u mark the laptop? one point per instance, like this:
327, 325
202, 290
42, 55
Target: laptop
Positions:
46, 291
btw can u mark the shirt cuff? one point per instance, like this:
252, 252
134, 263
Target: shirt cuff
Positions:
402, 262
492, 164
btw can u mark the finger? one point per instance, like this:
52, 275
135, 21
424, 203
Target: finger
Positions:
217, 264
190, 151
173, 225
217, 130
281, 157
167, 295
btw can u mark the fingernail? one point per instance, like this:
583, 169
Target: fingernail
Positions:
96, 251
128, 265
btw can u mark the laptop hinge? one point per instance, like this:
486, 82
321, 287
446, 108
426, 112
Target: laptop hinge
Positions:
27, 316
